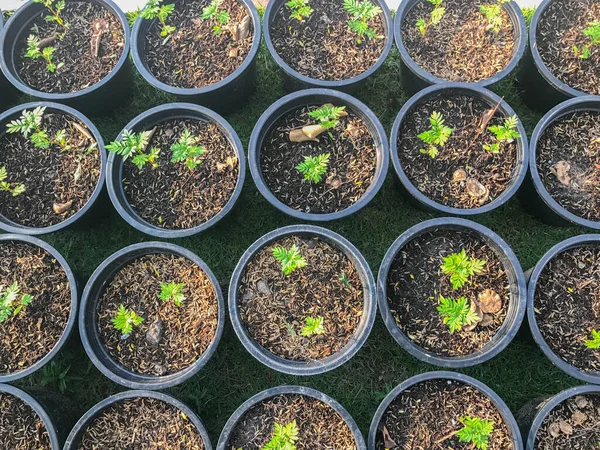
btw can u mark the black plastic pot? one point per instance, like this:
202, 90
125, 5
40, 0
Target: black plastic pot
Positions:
288, 390
6, 90
100, 98
148, 120
296, 100
78, 430
9, 377
504, 411
577, 241
421, 200
516, 309
415, 78
294, 80
362, 332
224, 96
537, 198
531, 417
85, 211
88, 324
540, 88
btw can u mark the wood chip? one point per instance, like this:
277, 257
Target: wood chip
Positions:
60, 208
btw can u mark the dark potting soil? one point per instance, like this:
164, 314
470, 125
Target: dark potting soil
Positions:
274, 306
51, 177
568, 161
427, 416
567, 305
459, 48
560, 29
173, 197
82, 67
485, 175
20, 427
144, 424
351, 169
320, 427
416, 282
185, 331
574, 424
194, 56
44, 320
323, 47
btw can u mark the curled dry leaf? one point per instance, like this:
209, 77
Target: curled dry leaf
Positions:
581, 402
334, 182
353, 130
83, 131
388, 442
99, 27
489, 301
561, 170
579, 418
312, 131
240, 31
477, 190
459, 175
233, 53
299, 136
565, 427
486, 321
60, 208
554, 429
229, 164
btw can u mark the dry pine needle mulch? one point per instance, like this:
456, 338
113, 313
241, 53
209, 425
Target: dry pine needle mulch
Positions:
20, 427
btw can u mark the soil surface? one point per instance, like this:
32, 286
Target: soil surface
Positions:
173, 197
574, 424
567, 305
50, 176
194, 56
459, 48
320, 427
560, 29
274, 306
416, 282
81, 67
568, 161
44, 320
143, 424
20, 427
351, 169
323, 47
436, 177
186, 330
425, 416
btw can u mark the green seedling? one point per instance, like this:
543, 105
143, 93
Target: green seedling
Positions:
314, 325
125, 320
172, 291
362, 12
328, 116
314, 168
435, 17
57, 374
507, 132
155, 10
187, 150
55, 8
300, 9
593, 32
460, 267
221, 16
493, 14
284, 437
47, 53
30, 126
594, 342
134, 145
457, 313
12, 188
476, 431
438, 135
290, 259
11, 303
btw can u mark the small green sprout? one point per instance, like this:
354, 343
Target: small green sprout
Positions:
362, 12
437, 135
34, 52
284, 437
172, 291
10, 304
55, 10
314, 168
493, 14
154, 10
594, 342
506, 132
135, 144
290, 259
593, 31
187, 150
212, 12
328, 116
461, 267
475, 431
12, 188
457, 313
300, 9
30, 123
435, 17
125, 320
344, 279
314, 325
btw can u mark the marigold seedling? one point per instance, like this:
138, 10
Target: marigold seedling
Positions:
476, 431
10, 302
328, 116
172, 291
507, 132
187, 150
300, 9
493, 14
435, 17
12, 188
284, 437
125, 320
437, 135
314, 325
362, 12
221, 16
460, 267
457, 313
290, 259
593, 32
315, 167
155, 10
34, 52
30, 126
594, 342
134, 145
55, 8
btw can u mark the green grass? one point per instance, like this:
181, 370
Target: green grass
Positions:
521, 373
